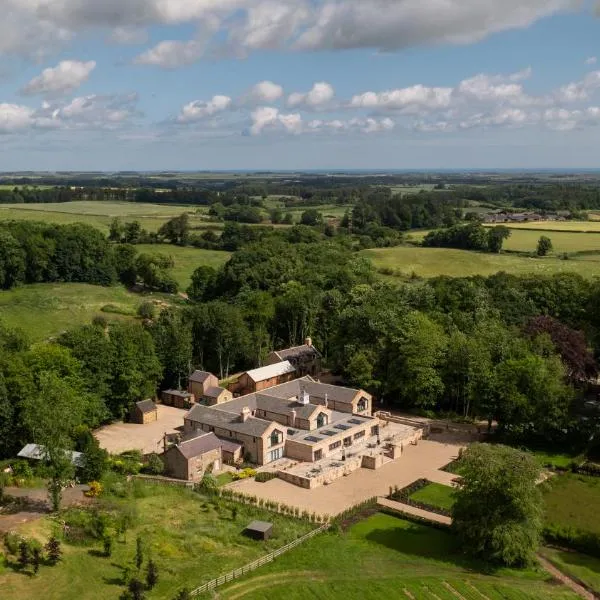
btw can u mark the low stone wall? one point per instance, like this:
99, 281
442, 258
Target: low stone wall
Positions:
372, 462
350, 465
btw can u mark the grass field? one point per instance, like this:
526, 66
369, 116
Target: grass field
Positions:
100, 214
573, 501
387, 557
557, 225
45, 309
190, 539
435, 494
582, 567
186, 259
431, 262
8, 186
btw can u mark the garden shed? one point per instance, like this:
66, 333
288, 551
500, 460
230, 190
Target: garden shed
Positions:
259, 530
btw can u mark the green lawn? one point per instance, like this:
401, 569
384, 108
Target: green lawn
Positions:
43, 310
555, 459
573, 501
557, 225
187, 259
525, 240
435, 494
432, 262
582, 567
190, 539
380, 558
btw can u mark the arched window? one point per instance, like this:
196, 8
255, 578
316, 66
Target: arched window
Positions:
276, 438
362, 405
322, 420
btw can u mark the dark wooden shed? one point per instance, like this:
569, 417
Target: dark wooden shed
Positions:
259, 530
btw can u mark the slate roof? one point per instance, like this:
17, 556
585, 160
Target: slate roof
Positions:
36, 452
215, 417
270, 371
214, 392
285, 407
181, 393
199, 445
146, 406
199, 376
297, 352
315, 390
261, 526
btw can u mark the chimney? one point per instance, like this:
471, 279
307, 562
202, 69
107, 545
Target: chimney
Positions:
245, 414
326, 402
293, 418
308, 341
304, 398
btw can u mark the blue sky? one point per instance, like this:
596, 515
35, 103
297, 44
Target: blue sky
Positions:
299, 84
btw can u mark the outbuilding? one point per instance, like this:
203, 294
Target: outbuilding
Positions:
259, 530
144, 412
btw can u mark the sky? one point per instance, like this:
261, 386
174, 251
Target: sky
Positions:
109, 85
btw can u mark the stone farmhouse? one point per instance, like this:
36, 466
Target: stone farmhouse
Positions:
144, 412
301, 419
306, 359
264, 377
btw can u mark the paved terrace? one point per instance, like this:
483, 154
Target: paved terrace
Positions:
423, 460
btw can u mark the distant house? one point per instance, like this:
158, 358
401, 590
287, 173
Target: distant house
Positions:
37, 452
265, 377
306, 359
189, 459
216, 395
144, 412
200, 381
178, 398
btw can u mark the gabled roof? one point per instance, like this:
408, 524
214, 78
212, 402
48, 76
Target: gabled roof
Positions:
37, 452
146, 406
199, 445
297, 352
200, 376
270, 371
181, 393
279, 406
209, 415
214, 392
315, 390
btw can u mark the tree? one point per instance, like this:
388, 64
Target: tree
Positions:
116, 230
132, 232
204, 279
12, 261
497, 514
24, 554
276, 215
155, 464
176, 230
53, 550
544, 246
139, 552
288, 219
107, 544
147, 311
311, 217
36, 559
496, 237
151, 574
136, 589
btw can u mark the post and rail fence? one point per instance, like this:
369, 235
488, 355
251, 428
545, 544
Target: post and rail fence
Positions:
263, 560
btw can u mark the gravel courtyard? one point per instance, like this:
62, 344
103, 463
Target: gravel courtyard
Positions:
119, 437
423, 460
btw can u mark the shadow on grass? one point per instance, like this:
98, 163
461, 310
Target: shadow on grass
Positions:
97, 553
428, 543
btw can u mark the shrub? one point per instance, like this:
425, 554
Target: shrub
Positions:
12, 541
95, 489
146, 310
264, 476
154, 465
244, 474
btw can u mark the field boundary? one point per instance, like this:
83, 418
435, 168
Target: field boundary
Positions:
263, 560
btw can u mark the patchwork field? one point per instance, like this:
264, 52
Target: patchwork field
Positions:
100, 214
186, 259
432, 262
191, 539
387, 557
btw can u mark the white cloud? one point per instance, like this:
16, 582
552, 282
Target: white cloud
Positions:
198, 110
264, 91
579, 90
14, 117
414, 96
269, 117
67, 76
128, 36
171, 54
322, 93
592, 60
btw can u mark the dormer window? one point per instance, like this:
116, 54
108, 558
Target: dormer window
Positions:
362, 405
322, 420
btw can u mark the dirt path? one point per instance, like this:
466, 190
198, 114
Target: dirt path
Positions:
413, 510
570, 583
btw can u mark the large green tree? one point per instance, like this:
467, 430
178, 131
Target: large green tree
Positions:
497, 514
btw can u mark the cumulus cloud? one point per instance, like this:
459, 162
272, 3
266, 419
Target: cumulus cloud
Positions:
34, 27
198, 110
264, 91
579, 90
322, 93
128, 36
14, 117
171, 54
269, 117
592, 60
66, 77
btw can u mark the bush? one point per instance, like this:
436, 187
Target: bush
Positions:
264, 476
244, 474
147, 310
95, 489
575, 539
12, 542
154, 465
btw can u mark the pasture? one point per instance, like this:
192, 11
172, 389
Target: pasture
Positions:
191, 538
100, 214
187, 259
585, 226
432, 262
525, 240
387, 557
44, 310
580, 566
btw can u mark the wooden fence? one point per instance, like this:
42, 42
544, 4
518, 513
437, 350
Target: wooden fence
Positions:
263, 560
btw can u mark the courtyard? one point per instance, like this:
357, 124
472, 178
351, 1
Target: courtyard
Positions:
423, 460
118, 437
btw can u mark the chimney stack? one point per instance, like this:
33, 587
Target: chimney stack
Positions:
308, 341
293, 418
245, 414
326, 402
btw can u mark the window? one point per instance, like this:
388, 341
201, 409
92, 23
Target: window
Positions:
275, 438
322, 420
359, 434
275, 454
318, 454
375, 430
347, 442
335, 445
362, 405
